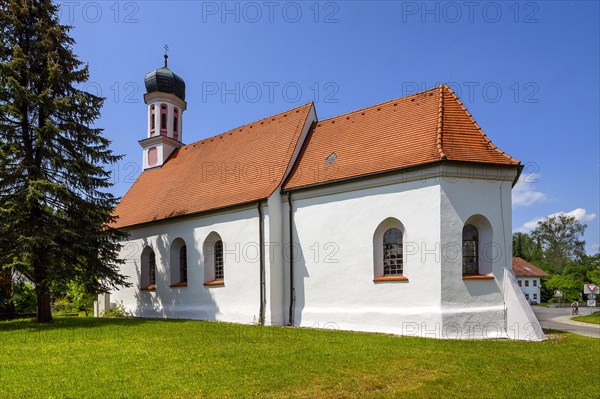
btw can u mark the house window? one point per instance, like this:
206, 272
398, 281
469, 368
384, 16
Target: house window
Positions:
183, 264
470, 250
219, 272
520, 283
534, 296
527, 296
526, 283
392, 252
535, 283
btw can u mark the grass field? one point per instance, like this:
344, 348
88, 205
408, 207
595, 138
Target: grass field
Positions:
593, 318
134, 358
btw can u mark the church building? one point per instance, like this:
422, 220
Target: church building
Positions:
394, 218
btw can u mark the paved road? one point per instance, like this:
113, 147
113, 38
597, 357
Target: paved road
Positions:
560, 319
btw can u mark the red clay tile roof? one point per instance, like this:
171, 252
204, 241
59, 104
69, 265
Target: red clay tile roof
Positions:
248, 163
422, 128
243, 165
522, 268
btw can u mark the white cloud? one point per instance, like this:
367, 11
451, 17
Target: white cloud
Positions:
523, 193
580, 214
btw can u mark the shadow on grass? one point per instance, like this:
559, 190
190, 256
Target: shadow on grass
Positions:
63, 322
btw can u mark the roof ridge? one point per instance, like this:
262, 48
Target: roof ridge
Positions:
440, 125
379, 104
485, 137
248, 124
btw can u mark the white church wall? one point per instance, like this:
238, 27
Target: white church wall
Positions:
333, 261
474, 308
235, 301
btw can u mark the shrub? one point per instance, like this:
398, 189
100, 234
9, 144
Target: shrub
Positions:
81, 298
63, 305
118, 312
23, 298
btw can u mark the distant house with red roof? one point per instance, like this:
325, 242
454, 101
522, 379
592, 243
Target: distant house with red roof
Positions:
528, 278
392, 218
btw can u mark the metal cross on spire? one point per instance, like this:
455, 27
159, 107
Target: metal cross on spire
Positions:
166, 54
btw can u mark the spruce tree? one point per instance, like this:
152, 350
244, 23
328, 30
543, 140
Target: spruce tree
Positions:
55, 208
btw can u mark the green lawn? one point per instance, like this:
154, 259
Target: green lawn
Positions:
593, 318
133, 358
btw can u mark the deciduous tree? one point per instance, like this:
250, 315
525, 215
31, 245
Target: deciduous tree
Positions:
560, 239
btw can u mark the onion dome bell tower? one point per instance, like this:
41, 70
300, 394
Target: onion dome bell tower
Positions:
165, 97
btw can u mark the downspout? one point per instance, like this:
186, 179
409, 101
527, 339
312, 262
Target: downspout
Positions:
261, 246
291, 232
506, 267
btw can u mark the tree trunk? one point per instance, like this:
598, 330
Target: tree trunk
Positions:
42, 291
44, 312
6, 291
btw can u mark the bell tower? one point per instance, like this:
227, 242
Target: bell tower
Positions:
165, 97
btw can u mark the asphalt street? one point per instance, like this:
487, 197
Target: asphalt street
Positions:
560, 319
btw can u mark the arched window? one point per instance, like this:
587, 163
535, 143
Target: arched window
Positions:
148, 270
175, 123
152, 268
470, 249
392, 252
163, 118
388, 255
219, 272
179, 263
214, 271
183, 264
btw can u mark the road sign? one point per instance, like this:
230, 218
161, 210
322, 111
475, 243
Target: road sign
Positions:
591, 289
591, 296
591, 302
558, 294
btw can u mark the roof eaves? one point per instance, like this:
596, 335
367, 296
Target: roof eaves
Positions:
388, 171
167, 219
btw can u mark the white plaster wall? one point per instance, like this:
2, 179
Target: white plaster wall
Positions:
333, 265
474, 308
236, 301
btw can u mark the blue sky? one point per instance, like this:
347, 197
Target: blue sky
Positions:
527, 71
